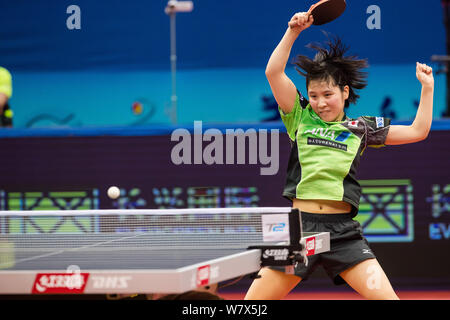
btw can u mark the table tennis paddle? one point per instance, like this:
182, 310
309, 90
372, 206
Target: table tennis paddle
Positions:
325, 11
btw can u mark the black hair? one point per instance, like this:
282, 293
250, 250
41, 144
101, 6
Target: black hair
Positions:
331, 64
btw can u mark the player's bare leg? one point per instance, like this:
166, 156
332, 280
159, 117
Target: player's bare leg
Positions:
273, 285
369, 280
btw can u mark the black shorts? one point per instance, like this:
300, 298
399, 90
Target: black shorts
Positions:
348, 246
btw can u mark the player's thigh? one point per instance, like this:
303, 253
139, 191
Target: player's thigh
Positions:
369, 280
272, 285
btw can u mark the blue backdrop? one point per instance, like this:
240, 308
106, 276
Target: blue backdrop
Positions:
92, 76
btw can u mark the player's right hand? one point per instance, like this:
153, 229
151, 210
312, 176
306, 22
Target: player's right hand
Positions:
301, 21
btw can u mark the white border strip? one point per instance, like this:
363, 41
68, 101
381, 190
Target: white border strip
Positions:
145, 211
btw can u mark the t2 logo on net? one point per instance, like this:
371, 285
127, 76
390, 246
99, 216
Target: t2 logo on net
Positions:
276, 227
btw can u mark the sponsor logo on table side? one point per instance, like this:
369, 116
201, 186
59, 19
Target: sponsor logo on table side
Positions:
60, 283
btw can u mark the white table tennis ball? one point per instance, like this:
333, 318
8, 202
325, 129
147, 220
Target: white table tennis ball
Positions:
113, 192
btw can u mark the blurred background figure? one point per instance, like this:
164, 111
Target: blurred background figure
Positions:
6, 114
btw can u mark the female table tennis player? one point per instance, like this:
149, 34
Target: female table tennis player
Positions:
326, 149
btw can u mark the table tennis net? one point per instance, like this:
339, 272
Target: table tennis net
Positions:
31, 234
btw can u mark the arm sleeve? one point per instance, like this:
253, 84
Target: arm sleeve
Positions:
292, 119
377, 129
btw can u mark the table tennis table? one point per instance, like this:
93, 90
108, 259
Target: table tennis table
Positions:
138, 251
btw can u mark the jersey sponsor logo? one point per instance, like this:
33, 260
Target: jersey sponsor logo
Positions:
380, 122
326, 143
329, 134
322, 132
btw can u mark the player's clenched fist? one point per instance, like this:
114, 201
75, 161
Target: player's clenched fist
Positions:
301, 21
424, 74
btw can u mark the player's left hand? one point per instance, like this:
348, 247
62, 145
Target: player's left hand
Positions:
424, 74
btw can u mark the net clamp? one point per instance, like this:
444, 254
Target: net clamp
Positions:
281, 255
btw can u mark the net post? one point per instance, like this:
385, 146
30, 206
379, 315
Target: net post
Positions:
295, 226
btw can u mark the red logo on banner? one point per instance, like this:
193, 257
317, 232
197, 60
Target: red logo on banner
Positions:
310, 246
203, 274
60, 283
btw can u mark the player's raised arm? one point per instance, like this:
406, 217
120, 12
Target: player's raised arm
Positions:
283, 88
422, 123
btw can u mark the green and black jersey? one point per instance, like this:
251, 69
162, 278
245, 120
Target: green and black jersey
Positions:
325, 155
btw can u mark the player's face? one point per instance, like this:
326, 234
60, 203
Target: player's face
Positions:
327, 99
